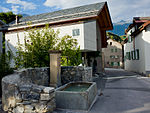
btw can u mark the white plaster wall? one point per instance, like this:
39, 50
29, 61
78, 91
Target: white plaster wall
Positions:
12, 40
11, 43
1, 42
86, 39
67, 30
90, 36
136, 65
146, 39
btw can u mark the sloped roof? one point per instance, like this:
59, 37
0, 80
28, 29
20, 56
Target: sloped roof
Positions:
141, 28
2, 23
137, 20
65, 14
142, 23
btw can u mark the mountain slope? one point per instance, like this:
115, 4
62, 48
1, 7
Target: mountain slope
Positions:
119, 27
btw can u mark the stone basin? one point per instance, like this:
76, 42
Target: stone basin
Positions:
76, 95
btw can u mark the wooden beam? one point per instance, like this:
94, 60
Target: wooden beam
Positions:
103, 16
104, 39
108, 16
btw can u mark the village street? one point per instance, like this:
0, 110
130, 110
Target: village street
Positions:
124, 92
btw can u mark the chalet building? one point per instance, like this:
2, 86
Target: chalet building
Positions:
137, 48
113, 54
87, 24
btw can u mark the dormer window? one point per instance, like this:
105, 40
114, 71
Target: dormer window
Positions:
75, 32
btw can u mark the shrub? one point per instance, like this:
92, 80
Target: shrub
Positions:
34, 53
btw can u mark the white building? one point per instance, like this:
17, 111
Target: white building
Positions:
113, 54
137, 49
88, 24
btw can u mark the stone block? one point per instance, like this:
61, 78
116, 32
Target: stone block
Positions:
47, 96
28, 108
24, 103
73, 73
25, 88
48, 90
37, 88
11, 102
81, 68
30, 96
18, 109
34, 101
44, 97
41, 108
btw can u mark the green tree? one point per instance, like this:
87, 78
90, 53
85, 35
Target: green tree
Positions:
8, 17
71, 54
5, 68
34, 53
114, 37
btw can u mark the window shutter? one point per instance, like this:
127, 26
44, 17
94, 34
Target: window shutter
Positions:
137, 54
129, 56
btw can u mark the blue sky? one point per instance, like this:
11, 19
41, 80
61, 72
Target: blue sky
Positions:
119, 9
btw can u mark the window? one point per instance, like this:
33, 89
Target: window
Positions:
112, 56
117, 56
137, 54
130, 37
110, 43
133, 55
118, 63
116, 50
112, 50
112, 63
128, 55
115, 63
75, 32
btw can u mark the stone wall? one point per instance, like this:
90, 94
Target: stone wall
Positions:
75, 73
26, 91
39, 76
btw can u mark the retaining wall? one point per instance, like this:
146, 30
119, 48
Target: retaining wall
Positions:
26, 91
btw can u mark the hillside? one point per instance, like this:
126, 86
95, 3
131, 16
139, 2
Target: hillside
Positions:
119, 27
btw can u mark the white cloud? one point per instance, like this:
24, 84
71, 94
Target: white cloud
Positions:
26, 5
15, 9
119, 9
67, 3
4, 9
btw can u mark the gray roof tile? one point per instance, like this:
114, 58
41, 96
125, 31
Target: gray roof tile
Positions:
82, 11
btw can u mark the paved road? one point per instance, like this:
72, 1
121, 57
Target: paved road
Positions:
124, 92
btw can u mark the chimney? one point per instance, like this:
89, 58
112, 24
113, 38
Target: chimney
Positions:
17, 19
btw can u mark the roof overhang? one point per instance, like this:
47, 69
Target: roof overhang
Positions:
105, 23
103, 17
141, 28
